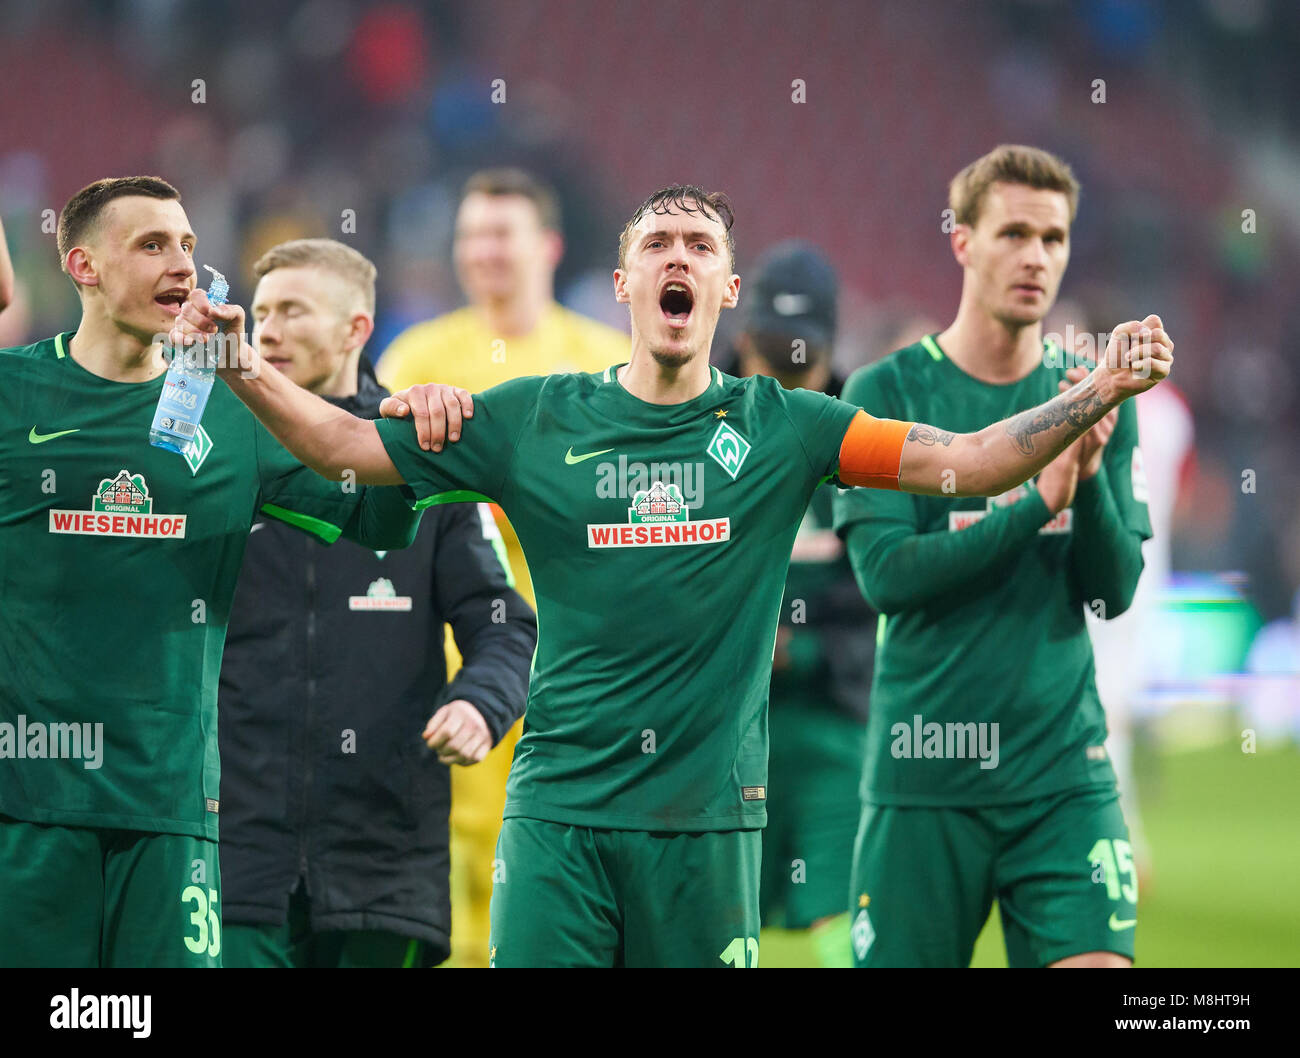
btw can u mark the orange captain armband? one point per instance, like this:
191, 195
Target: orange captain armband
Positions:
871, 454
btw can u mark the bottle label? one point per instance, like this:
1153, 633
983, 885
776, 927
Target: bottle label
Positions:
181, 405
186, 388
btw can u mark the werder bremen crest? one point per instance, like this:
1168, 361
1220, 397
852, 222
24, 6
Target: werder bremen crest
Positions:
197, 450
729, 449
862, 933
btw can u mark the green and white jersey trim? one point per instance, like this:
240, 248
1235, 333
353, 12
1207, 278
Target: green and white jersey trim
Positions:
610, 375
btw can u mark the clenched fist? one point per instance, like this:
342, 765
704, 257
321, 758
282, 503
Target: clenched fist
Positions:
459, 733
1138, 356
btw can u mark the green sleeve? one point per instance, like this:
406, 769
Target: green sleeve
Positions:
377, 517
1111, 521
820, 423
477, 467
899, 568
1123, 465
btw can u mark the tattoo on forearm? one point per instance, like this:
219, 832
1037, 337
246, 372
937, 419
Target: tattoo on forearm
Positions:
928, 435
1080, 408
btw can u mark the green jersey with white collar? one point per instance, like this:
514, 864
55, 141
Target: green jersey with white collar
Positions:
658, 539
984, 690
118, 563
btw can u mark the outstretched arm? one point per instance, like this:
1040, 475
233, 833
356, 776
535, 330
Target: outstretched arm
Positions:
328, 439
325, 438
1002, 456
899, 567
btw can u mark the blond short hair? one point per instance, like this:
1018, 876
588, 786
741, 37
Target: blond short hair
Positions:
1010, 164
330, 255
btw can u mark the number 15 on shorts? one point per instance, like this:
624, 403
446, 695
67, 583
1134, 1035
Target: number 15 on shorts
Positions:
1112, 865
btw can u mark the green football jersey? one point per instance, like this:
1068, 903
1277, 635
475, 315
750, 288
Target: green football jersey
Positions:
986, 695
118, 562
658, 538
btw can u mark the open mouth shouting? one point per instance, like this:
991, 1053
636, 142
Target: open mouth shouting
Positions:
676, 300
173, 299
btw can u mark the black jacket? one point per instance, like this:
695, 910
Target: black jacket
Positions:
333, 665
839, 671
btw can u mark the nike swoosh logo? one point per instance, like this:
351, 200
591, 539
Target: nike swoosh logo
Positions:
255, 527
37, 438
570, 458
1119, 924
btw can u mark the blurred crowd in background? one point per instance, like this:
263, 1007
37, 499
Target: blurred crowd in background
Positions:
836, 122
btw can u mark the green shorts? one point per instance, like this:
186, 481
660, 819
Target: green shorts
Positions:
87, 897
1060, 867
294, 944
576, 896
814, 766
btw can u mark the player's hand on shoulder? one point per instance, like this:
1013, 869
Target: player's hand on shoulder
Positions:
1092, 445
458, 733
438, 411
1138, 356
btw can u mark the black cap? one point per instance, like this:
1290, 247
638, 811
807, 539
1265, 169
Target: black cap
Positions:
793, 293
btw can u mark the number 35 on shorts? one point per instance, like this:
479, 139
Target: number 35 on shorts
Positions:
204, 918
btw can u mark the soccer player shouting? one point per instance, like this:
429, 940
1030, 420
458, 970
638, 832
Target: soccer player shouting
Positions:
657, 502
118, 561
986, 772
508, 244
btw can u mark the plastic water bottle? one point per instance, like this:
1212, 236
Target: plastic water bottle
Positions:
187, 386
